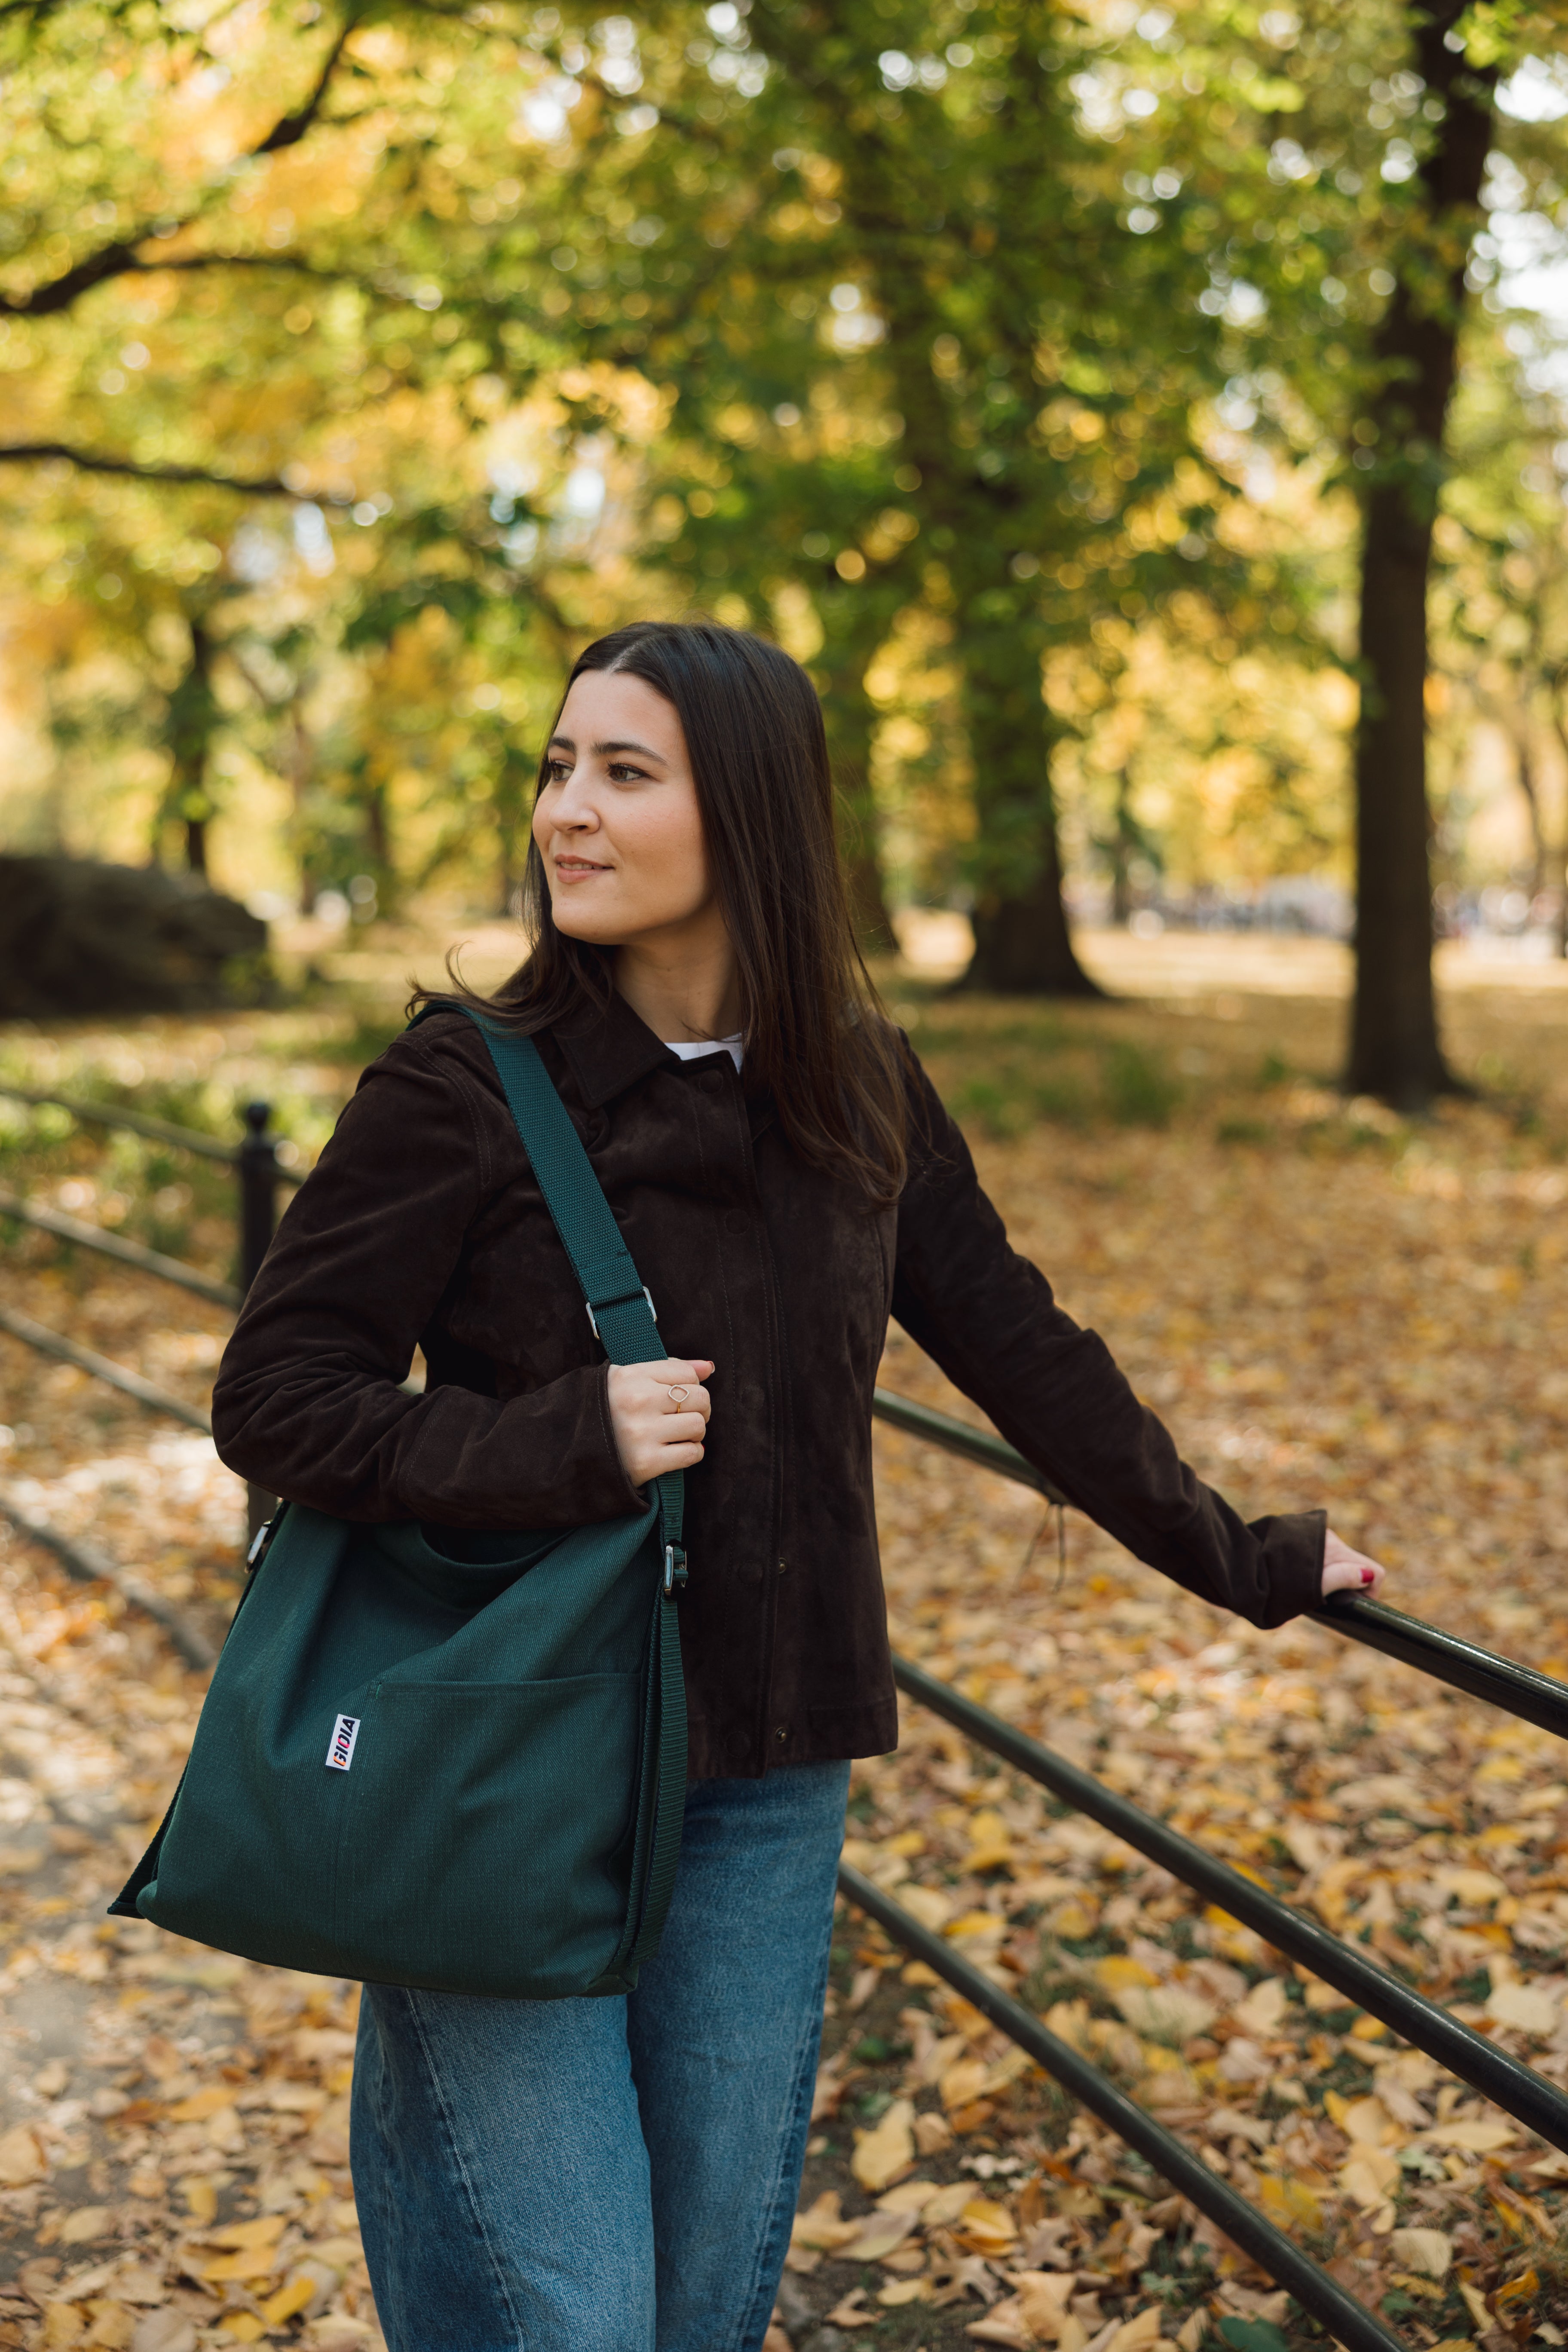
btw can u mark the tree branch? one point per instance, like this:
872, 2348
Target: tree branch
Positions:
93, 461
113, 260
291, 129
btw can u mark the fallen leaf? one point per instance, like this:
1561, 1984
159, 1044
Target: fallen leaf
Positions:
1522, 2005
1264, 2007
22, 2157
1429, 2252
310, 2283
1004, 2325
254, 2262
1474, 2303
1366, 2121
991, 1843
1042, 2298
1117, 1971
1289, 2202
1480, 2138
831, 2087
984, 2227
1137, 2333
86, 2222
881, 2155
202, 2103
164, 2331
962, 2082
1167, 2013
880, 2237
925, 1906
1474, 1888
1370, 2176
900, 2291
245, 2236
823, 2225
852, 2312
865, 1985
908, 2197
946, 2205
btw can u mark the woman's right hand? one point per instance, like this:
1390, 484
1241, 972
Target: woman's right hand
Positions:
659, 1414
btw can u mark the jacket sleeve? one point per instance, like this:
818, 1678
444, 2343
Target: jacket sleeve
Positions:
309, 1401
987, 1317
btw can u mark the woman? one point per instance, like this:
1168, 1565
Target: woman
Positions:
620, 2174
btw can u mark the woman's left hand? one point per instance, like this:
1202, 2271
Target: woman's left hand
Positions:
1345, 1570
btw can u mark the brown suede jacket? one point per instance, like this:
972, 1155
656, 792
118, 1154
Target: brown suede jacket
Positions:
423, 1225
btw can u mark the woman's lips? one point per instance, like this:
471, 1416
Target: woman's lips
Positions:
577, 869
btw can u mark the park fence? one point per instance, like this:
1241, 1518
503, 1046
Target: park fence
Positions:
1367, 1984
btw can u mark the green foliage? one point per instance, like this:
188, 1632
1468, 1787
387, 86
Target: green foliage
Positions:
418, 349
1253, 2336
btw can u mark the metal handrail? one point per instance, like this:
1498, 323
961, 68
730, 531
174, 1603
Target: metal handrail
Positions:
1464, 1665
142, 1122
93, 1237
1348, 2321
102, 1368
1537, 2104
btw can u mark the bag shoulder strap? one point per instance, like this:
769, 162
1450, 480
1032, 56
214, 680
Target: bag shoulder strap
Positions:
620, 1310
626, 1325
619, 1307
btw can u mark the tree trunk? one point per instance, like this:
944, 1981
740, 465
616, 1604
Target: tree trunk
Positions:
1022, 943
1123, 841
852, 728
1559, 728
1395, 1050
190, 723
302, 769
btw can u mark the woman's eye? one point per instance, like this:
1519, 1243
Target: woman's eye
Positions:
556, 771
621, 774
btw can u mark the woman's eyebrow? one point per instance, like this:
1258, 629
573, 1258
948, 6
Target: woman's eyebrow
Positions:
644, 751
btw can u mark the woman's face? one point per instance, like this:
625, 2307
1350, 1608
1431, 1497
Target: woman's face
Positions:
617, 822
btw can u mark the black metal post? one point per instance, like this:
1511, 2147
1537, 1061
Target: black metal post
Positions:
259, 1174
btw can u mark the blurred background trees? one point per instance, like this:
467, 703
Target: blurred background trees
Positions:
1147, 424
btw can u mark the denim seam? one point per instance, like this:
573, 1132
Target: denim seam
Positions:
750, 2335
475, 2206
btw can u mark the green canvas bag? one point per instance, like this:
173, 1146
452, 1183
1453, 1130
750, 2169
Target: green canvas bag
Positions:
435, 1758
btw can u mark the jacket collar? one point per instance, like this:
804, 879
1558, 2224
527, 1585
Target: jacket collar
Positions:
610, 1050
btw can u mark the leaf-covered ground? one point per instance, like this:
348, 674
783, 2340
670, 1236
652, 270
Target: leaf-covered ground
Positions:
1328, 1303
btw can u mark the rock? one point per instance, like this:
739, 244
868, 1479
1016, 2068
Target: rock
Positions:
78, 937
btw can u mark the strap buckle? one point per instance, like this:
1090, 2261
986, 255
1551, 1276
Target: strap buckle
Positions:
594, 1319
674, 1570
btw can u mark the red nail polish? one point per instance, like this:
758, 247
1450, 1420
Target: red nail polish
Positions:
1366, 1575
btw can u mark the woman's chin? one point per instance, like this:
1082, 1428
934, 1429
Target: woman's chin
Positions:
580, 923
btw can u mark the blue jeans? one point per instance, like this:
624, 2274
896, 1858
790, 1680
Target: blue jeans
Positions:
613, 2175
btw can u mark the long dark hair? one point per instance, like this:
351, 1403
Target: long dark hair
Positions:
816, 1031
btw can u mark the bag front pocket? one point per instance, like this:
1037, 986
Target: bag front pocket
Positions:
480, 1821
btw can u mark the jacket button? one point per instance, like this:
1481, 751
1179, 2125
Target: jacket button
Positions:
737, 1222
784, 1564
781, 1733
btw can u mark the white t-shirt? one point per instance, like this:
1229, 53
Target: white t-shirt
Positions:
732, 1046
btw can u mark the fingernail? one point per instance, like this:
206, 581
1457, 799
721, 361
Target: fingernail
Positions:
1366, 1575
